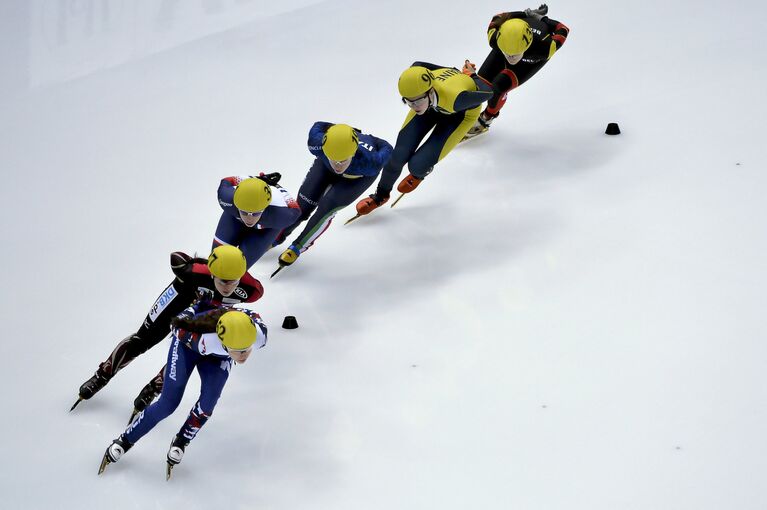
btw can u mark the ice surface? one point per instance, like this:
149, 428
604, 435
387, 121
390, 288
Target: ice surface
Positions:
556, 319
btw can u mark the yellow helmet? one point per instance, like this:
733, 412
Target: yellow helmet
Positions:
515, 36
227, 262
340, 142
415, 81
236, 330
252, 195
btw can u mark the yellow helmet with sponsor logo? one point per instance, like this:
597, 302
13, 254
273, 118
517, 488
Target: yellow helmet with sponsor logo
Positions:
415, 81
515, 36
227, 262
236, 330
252, 195
340, 142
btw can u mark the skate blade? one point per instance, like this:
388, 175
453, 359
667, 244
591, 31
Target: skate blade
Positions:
398, 199
104, 463
352, 219
472, 137
278, 270
133, 416
168, 471
75, 404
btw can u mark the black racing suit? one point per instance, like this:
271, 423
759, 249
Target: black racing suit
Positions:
548, 36
192, 279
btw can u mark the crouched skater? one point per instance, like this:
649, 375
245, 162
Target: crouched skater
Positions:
207, 338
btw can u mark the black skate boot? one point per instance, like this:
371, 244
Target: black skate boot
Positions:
91, 387
147, 395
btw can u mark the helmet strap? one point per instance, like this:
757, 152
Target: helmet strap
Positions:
433, 98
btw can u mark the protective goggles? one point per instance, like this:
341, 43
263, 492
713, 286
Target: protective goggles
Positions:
413, 103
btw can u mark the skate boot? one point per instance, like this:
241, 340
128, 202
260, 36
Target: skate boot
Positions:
114, 451
287, 258
93, 385
146, 396
408, 184
371, 203
290, 255
481, 126
175, 454
90, 388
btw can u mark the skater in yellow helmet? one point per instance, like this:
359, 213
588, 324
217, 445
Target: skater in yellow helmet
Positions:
205, 337
222, 277
346, 162
443, 101
255, 210
522, 43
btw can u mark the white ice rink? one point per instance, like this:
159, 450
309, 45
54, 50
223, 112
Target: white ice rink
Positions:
556, 320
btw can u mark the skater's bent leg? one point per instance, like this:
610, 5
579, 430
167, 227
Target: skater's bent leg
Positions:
415, 128
228, 231
442, 140
311, 191
148, 393
155, 327
340, 194
255, 244
181, 362
214, 373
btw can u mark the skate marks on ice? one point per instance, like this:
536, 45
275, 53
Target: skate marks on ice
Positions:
559, 154
416, 250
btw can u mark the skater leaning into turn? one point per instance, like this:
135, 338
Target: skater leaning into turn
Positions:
256, 210
346, 163
522, 43
443, 101
207, 338
222, 276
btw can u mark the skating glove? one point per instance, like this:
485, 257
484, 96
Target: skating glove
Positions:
204, 295
271, 179
538, 13
469, 68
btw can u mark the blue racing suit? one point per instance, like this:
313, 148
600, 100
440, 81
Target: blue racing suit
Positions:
190, 350
327, 191
253, 241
